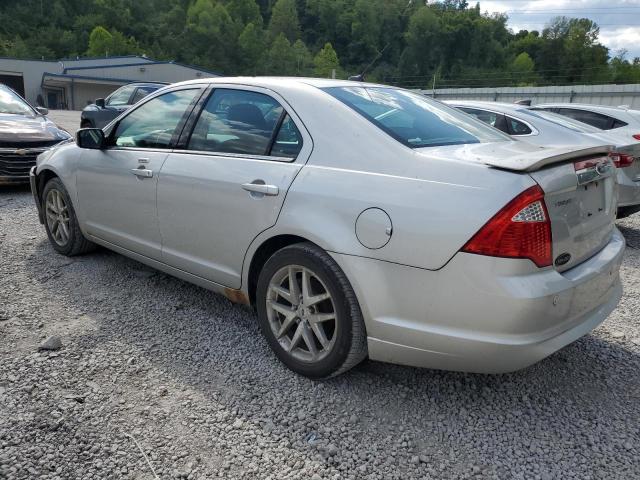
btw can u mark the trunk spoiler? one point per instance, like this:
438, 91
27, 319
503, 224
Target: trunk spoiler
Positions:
533, 161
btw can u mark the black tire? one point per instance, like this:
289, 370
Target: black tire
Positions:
86, 124
350, 346
76, 244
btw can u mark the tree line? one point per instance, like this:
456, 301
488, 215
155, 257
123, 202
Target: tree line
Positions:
413, 44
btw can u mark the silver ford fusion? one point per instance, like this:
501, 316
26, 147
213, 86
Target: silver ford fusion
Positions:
359, 220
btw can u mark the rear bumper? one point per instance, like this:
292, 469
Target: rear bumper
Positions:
482, 314
628, 190
33, 181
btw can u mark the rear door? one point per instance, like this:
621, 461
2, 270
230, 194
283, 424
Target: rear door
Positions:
227, 181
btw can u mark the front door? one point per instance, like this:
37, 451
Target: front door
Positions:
229, 183
117, 186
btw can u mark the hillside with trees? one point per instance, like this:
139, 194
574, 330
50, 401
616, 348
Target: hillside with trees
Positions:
450, 42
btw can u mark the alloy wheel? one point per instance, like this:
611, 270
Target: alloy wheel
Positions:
57, 215
301, 313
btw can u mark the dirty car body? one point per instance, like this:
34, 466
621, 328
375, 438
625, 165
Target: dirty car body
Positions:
465, 250
25, 132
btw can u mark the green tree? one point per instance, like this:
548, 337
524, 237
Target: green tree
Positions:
99, 42
251, 43
304, 60
281, 58
326, 61
284, 19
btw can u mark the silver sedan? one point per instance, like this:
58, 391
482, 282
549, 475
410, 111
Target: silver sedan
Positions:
359, 220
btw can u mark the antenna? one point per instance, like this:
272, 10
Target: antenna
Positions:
360, 76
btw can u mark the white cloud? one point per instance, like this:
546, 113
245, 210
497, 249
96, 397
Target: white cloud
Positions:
619, 20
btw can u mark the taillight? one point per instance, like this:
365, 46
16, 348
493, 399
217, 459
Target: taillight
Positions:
636, 136
521, 229
621, 160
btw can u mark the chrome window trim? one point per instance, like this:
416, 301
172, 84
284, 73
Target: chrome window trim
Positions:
241, 156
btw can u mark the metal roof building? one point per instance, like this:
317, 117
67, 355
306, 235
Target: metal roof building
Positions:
73, 83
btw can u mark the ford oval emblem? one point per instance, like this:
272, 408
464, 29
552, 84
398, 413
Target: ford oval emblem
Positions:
562, 259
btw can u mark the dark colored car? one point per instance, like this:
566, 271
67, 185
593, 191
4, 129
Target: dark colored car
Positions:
25, 132
100, 113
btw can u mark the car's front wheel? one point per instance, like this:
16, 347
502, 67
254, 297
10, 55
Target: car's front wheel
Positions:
309, 313
61, 222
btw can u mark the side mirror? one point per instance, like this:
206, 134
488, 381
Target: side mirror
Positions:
92, 138
42, 110
100, 102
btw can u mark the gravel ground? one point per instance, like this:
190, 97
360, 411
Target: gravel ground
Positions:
152, 364
67, 119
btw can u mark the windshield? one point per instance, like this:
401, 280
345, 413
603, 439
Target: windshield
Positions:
561, 120
10, 102
415, 120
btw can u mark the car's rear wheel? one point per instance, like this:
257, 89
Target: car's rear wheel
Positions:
309, 313
61, 222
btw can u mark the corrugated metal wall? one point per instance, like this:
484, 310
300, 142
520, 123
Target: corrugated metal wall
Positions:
612, 95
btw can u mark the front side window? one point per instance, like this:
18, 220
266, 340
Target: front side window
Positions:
490, 118
121, 96
12, 103
237, 121
414, 120
153, 124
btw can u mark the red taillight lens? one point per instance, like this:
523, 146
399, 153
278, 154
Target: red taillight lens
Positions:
621, 160
520, 230
636, 136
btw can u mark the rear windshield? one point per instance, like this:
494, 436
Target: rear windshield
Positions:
415, 120
561, 120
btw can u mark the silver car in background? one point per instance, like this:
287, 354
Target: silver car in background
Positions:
359, 220
544, 128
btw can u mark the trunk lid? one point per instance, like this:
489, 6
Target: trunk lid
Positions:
579, 185
581, 199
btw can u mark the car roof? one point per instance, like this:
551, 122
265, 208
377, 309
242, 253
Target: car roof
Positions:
269, 82
500, 107
147, 84
586, 106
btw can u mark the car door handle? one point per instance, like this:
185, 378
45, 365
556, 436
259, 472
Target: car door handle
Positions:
271, 190
142, 172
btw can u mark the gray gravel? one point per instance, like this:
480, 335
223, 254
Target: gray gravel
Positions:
149, 360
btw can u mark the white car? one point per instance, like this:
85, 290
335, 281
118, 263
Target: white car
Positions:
358, 219
544, 128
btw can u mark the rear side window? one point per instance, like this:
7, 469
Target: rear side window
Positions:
412, 119
121, 96
598, 120
245, 122
516, 127
142, 92
288, 142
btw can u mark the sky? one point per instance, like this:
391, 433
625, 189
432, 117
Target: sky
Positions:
619, 20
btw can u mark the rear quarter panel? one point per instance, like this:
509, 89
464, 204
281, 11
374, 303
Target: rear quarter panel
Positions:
435, 204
